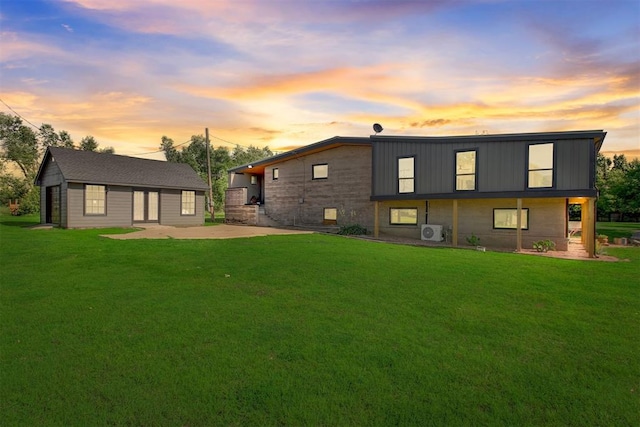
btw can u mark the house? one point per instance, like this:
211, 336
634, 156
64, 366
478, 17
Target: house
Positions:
81, 189
508, 190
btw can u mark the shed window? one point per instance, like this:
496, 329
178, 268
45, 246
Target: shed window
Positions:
508, 219
540, 166
403, 216
95, 200
188, 202
465, 170
320, 171
406, 175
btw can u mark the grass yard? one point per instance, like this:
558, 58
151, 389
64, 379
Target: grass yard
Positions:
310, 330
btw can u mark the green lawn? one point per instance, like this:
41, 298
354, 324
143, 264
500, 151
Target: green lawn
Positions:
617, 229
310, 330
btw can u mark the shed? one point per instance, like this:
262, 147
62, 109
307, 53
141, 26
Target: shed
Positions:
82, 189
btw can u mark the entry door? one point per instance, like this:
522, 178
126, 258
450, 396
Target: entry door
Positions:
145, 206
53, 205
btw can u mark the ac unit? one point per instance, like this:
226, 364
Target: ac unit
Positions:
431, 232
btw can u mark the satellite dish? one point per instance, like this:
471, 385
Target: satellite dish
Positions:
377, 128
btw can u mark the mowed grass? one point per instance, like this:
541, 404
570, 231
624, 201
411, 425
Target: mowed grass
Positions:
310, 330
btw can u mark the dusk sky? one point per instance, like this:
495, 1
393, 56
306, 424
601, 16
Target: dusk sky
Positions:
290, 73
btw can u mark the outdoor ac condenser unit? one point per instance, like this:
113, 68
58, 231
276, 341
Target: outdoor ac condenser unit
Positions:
431, 232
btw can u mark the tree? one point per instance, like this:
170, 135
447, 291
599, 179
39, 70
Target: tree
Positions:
195, 154
170, 152
107, 150
89, 143
65, 139
19, 145
24, 148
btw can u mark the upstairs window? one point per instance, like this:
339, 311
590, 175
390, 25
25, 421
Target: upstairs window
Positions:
320, 171
540, 168
275, 173
406, 175
465, 170
188, 202
95, 198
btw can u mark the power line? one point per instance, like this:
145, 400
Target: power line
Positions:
18, 114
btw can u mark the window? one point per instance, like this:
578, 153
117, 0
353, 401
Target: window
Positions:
254, 180
95, 197
330, 216
320, 171
540, 166
465, 170
403, 216
275, 173
405, 175
507, 218
188, 202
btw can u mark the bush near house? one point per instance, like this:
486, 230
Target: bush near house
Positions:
309, 330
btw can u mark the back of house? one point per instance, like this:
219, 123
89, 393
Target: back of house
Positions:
508, 191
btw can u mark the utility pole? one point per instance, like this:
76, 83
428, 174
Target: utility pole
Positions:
211, 210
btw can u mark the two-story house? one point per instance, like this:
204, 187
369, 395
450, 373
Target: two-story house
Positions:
508, 190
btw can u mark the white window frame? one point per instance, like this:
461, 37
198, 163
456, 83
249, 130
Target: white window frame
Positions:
188, 203
95, 200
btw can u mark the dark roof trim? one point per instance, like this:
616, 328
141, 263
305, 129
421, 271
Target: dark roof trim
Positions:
307, 149
490, 195
596, 135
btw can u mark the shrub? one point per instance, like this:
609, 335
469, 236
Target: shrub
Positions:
352, 230
473, 240
544, 245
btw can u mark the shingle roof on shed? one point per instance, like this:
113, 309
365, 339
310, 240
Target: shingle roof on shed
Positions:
112, 169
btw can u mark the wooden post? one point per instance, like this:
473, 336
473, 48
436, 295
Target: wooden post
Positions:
590, 235
454, 225
519, 225
376, 220
211, 211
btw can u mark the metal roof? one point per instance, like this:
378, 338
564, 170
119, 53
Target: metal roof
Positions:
111, 169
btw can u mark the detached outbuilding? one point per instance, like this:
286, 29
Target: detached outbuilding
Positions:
82, 189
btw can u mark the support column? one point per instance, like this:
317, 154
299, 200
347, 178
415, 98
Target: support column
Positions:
376, 220
454, 225
519, 225
590, 235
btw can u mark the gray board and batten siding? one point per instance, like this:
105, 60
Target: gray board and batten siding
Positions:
71, 170
501, 165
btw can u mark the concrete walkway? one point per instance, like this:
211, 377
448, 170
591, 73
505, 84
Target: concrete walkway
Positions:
222, 231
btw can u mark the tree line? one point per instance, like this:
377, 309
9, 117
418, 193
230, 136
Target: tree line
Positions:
22, 149
617, 179
618, 183
222, 159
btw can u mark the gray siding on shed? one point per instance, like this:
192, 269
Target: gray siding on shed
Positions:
501, 165
171, 209
118, 205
